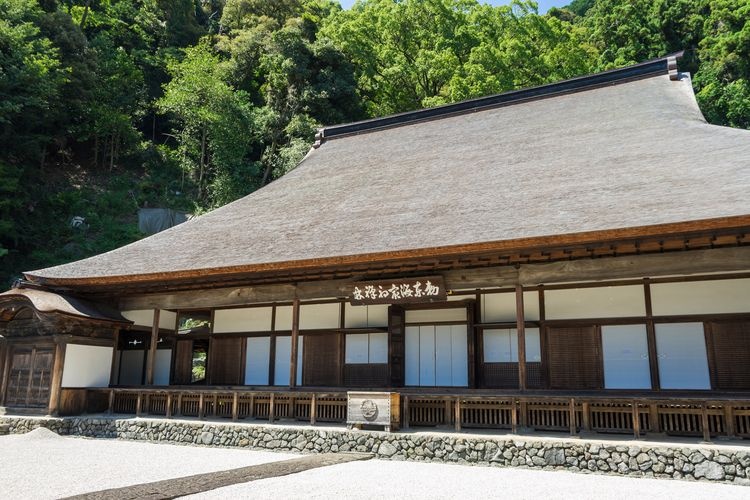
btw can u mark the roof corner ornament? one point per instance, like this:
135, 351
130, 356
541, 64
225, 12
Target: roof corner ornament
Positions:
319, 138
672, 68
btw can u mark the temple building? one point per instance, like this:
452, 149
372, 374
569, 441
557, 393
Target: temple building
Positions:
570, 257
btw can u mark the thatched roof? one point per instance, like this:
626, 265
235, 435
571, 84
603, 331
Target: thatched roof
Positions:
630, 152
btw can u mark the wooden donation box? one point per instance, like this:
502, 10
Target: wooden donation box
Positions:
373, 408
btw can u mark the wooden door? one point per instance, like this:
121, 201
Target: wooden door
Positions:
321, 360
575, 357
182, 371
30, 377
226, 364
729, 350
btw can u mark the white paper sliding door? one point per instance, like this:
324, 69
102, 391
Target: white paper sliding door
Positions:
282, 363
436, 356
625, 351
681, 350
257, 361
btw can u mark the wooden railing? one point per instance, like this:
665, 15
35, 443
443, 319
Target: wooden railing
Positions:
310, 407
581, 414
574, 414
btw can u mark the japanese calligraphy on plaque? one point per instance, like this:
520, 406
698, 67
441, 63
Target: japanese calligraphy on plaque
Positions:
401, 291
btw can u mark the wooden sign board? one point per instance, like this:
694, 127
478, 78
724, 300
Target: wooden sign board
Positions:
398, 291
373, 408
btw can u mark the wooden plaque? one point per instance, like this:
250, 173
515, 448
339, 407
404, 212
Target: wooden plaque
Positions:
398, 291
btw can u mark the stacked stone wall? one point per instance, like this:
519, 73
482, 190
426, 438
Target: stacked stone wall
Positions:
702, 462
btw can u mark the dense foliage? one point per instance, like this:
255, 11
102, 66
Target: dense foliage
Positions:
111, 105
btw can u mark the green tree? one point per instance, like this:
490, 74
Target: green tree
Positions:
723, 81
214, 123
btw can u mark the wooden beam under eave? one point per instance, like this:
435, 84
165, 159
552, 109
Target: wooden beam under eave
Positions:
638, 266
730, 259
151, 361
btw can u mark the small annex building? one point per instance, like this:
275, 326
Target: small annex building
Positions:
573, 257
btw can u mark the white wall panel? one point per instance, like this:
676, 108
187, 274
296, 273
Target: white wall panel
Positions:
319, 316
283, 356
426, 355
598, 302
498, 346
250, 319
86, 366
131, 367
443, 355
681, 350
412, 355
625, 352
257, 361
378, 348
501, 345
145, 317
283, 318
701, 297
436, 315
459, 356
501, 307
366, 316
167, 320
162, 366
533, 345
357, 348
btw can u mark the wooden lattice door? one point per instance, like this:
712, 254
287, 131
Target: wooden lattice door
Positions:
30, 377
575, 358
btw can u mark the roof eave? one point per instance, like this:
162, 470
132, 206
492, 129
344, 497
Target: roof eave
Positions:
512, 245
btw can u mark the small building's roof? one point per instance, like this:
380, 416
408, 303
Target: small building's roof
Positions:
590, 155
48, 302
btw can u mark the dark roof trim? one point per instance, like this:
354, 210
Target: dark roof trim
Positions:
661, 66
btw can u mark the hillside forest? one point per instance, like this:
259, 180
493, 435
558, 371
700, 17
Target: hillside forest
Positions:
108, 106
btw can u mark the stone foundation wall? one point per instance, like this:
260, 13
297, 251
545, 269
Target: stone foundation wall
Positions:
705, 462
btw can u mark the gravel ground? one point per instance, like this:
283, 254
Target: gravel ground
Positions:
41, 464
403, 480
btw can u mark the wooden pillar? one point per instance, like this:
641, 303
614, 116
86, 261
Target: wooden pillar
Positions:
271, 409
139, 404
313, 409
111, 405
201, 405
5, 374
705, 424
729, 420
653, 361
636, 420
572, 417
235, 406
151, 362
405, 416
513, 417
520, 327
56, 382
458, 414
295, 341
115, 369
168, 412
586, 416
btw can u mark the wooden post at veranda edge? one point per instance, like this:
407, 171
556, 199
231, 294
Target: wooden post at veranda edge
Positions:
520, 327
151, 362
56, 382
295, 341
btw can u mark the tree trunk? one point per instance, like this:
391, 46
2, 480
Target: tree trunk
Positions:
204, 132
269, 165
96, 151
85, 14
